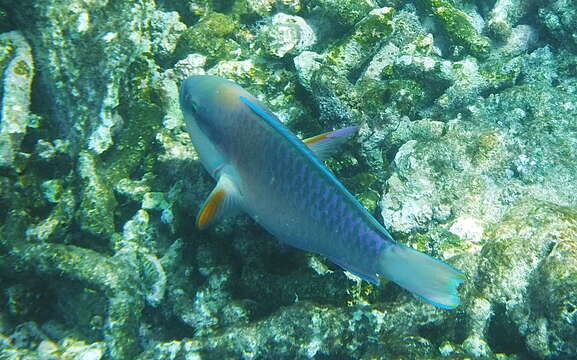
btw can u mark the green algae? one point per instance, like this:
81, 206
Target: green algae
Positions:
100, 223
486, 149
346, 12
459, 26
5, 23
22, 69
6, 54
17, 74
210, 37
436, 242
524, 246
373, 94
141, 109
559, 278
85, 265
405, 95
98, 201
55, 225
366, 188
364, 40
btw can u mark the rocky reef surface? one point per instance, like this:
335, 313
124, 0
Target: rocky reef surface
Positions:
467, 150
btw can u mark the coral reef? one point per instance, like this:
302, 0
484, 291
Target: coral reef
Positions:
17, 69
287, 34
559, 18
467, 149
346, 12
209, 37
505, 15
459, 26
524, 250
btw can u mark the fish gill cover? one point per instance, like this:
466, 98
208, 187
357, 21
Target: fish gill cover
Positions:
467, 149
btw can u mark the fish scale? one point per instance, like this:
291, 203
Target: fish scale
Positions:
321, 234
276, 179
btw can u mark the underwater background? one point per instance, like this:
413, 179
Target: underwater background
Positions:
467, 150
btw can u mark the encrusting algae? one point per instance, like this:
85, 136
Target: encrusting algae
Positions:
466, 148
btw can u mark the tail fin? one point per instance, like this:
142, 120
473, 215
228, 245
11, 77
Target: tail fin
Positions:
431, 279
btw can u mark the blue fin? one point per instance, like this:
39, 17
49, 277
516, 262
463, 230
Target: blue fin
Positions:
326, 145
259, 110
429, 278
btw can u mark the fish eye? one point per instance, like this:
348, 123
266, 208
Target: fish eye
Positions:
192, 105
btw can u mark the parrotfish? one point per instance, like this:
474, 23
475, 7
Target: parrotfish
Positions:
280, 181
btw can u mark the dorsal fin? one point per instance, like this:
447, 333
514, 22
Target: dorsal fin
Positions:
305, 151
327, 144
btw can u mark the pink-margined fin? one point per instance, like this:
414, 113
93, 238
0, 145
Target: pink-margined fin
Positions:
327, 144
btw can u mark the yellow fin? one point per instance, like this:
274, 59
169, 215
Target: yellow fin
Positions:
222, 202
210, 209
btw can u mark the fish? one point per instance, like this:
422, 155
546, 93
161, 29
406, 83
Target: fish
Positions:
264, 170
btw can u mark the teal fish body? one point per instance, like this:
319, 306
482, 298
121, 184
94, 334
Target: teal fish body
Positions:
264, 170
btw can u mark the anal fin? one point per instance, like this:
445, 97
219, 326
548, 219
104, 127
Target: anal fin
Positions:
372, 278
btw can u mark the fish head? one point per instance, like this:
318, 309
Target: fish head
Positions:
211, 102
210, 106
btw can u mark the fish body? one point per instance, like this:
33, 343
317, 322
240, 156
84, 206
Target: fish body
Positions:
264, 170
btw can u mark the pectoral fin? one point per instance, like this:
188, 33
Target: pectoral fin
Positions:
326, 145
222, 202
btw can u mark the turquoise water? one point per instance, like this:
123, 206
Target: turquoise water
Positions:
466, 151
